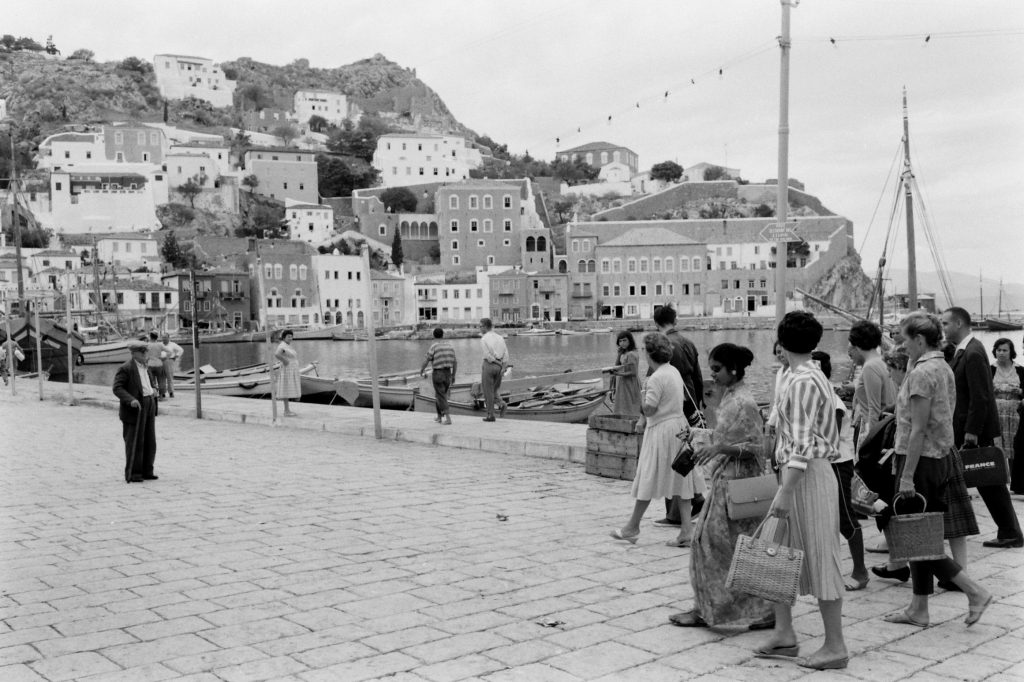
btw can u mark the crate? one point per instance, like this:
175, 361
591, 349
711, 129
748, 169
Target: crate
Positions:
623, 423
612, 454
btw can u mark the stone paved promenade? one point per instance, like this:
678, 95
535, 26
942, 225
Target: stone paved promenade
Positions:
297, 553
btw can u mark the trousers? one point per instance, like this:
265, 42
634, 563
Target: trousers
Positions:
442, 380
140, 440
490, 381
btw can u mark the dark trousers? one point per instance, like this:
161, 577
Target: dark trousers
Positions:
848, 524
997, 500
161, 378
141, 438
442, 380
930, 480
490, 381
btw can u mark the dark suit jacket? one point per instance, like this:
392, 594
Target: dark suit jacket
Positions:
975, 411
128, 387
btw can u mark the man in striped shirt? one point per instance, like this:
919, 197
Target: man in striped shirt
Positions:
441, 357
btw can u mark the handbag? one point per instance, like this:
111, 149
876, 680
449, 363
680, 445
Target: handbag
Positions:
984, 467
862, 497
766, 569
747, 498
684, 462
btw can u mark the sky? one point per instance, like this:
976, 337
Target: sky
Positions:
531, 72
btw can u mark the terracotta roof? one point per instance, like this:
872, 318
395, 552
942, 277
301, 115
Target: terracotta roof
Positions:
718, 231
648, 236
591, 147
280, 150
54, 252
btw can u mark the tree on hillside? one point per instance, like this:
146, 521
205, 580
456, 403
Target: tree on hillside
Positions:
359, 141
83, 54
398, 200
251, 181
51, 48
240, 143
574, 172
172, 253
397, 257
285, 132
666, 171
135, 64
764, 211
190, 190
715, 173
562, 208
317, 124
337, 176
255, 96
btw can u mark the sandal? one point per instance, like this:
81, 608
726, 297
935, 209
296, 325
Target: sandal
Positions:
687, 619
831, 664
619, 535
974, 612
679, 543
778, 652
903, 619
857, 585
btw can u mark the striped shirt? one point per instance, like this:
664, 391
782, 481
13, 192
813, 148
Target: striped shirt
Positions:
807, 419
441, 355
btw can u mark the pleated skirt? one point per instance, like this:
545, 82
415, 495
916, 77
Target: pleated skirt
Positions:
654, 475
814, 528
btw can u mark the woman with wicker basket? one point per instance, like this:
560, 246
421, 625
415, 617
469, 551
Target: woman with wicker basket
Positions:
924, 467
734, 453
808, 499
662, 402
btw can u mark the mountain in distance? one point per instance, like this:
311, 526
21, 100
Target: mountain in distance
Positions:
967, 290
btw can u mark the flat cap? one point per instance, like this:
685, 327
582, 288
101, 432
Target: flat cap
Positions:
135, 344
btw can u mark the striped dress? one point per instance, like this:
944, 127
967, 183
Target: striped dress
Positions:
808, 440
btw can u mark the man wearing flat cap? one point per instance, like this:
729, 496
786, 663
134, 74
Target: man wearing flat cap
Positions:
135, 386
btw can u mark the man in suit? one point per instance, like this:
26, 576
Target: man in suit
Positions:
135, 386
975, 419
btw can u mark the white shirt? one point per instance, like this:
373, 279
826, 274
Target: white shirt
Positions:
495, 349
171, 351
964, 341
147, 388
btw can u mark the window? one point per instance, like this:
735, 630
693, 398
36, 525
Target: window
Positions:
581, 266
728, 251
302, 271
656, 265
671, 289
575, 245
617, 265
507, 225
606, 265
617, 290
473, 201
490, 260
725, 284
657, 290
696, 290
721, 265
631, 265
488, 201
763, 283
455, 260
507, 201
480, 243
268, 271
670, 264
488, 224
757, 250
735, 284
605, 290
474, 226
455, 245
632, 290
293, 271
455, 225
383, 230
278, 271
696, 264
453, 202
750, 284
118, 138
643, 265
506, 242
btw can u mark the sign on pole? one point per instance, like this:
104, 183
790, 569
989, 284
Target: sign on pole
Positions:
786, 232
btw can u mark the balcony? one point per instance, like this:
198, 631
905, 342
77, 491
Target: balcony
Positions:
585, 293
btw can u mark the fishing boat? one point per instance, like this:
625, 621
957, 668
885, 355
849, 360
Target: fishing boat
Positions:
573, 332
103, 352
329, 333
601, 330
536, 331
54, 340
566, 398
244, 385
994, 325
396, 390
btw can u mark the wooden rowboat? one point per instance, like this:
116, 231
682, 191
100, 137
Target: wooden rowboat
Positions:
245, 385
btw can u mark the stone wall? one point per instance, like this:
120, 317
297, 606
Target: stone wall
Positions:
656, 204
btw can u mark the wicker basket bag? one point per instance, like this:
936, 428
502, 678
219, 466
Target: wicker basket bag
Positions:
915, 537
766, 568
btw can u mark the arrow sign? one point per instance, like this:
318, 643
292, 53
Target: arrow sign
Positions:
774, 232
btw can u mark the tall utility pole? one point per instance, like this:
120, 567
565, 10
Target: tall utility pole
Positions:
15, 221
782, 197
371, 344
908, 179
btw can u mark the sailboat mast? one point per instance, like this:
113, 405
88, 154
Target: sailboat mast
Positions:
908, 176
981, 294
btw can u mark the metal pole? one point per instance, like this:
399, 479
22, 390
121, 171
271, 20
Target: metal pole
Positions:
16, 225
196, 374
71, 363
39, 350
265, 328
782, 197
10, 348
908, 177
371, 345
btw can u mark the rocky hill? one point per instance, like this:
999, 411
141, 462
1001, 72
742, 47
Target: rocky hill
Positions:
47, 92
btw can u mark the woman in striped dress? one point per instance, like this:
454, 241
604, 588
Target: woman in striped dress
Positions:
808, 499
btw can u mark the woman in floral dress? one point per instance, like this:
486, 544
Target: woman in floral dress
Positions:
735, 452
1008, 381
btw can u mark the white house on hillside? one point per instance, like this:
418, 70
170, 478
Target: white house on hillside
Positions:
418, 158
330, 106
343, 292
312, 223
180, 76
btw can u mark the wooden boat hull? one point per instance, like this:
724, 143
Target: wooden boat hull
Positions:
995, 325
253, 385
54, 341
571, 412
105, 353
321, 390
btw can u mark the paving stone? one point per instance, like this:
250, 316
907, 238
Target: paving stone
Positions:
370, 668
88, 642
144, 673
599, 660
73, 666
266, 669
212, 660
19, 673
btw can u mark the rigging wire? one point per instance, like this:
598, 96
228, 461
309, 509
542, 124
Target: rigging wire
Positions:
935, 248
890, 238
881, 195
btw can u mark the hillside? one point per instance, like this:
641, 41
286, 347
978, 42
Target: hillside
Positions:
45, 93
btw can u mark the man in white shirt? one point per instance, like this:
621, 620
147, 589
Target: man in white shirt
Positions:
495, 361
169, 354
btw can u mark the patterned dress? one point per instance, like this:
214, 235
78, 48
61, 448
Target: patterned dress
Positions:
1009, 392
288, 385
627, 385
737, 422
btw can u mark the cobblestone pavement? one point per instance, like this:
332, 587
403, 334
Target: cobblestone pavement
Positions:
277, 553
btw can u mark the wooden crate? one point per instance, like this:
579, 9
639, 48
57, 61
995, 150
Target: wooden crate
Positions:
623, 423
612, 454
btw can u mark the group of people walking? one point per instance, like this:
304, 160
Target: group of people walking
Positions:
928, 405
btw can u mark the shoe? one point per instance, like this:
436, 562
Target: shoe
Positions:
291, 414
859, 585
687, 619
901, 574
501, 410
437, 419
832, 664
763, 624
447, 421
974, 612
903, 619
171, 394
667, 522
150, 477
1004, 543
696, 504
489, 419
779, 652
135, 479
949, 586
619, 535
679, 543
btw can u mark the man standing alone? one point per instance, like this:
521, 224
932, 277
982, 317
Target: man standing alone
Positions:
441, 356
169, 355
495, 361
134, 385
156, 365
976, 420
